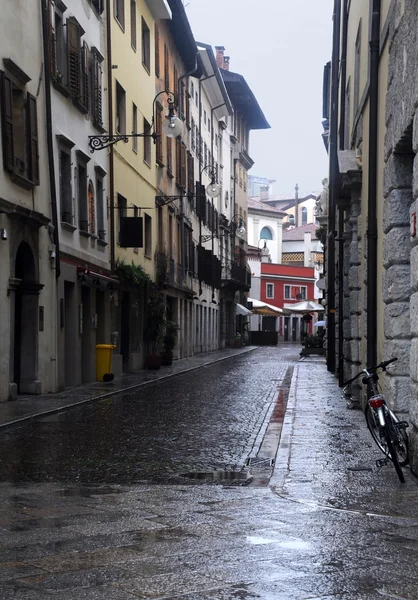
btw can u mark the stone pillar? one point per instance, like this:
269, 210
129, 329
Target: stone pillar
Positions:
397, 261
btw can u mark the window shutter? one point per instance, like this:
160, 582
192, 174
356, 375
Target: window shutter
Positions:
178, 161
52, 38
73, 57
97, 91
85, 58
183, 174
157, 51
32, 139
7, 122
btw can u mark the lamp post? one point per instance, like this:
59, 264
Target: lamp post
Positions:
171, 127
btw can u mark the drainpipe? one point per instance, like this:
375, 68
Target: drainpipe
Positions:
333, 182
372, 188
343, 142
110, 122
49, 135
343, 145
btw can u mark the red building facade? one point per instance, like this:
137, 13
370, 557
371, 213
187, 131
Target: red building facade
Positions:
285, 284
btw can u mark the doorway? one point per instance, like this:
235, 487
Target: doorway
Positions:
25, 337
71, 328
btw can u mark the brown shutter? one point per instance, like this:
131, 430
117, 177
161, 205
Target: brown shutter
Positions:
73, 57
52, 38
157, 51
32, 139
159, 132
7, 122
85, 58
178, 160
97, 90
183, 167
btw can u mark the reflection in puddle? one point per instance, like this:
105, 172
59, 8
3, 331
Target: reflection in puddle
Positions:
254, 539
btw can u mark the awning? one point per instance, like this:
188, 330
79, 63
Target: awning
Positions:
305, 306
96, 275
266, 310
242, 310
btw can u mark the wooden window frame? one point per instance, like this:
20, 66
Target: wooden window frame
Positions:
145, 46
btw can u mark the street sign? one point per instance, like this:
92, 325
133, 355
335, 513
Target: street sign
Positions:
321, 283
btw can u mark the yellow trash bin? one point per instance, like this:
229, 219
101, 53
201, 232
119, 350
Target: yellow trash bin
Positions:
104, 362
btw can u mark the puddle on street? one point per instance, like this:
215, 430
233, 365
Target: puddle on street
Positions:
297, 545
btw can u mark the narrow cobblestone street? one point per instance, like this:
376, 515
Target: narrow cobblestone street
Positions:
124, 522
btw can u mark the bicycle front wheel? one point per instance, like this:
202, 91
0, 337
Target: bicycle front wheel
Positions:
392, 453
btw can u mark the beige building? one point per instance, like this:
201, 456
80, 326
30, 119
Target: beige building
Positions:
28, 215
370, 208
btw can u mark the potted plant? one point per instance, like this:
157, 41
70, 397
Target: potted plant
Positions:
154, 327
169, 342
314, 344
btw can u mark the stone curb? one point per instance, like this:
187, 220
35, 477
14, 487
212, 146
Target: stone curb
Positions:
38, 415
281, 468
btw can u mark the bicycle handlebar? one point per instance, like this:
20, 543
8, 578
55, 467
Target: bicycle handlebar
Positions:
382, 366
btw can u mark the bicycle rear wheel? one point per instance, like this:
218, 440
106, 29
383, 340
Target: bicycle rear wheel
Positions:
399, 439
376, 430
392, 453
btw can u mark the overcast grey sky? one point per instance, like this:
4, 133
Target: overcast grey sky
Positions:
280, 47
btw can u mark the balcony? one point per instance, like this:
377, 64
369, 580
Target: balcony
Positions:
235, 276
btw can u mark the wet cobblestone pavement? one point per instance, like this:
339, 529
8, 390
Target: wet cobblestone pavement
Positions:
329, 526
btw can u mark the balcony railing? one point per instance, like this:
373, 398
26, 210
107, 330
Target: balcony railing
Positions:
233, 274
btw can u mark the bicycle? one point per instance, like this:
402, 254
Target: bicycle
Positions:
387, 431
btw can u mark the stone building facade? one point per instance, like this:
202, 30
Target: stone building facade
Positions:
372, 246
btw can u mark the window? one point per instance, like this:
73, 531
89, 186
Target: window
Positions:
197, 99
287, 292
83, 211
133, 24
122, 204
59, 54
192, 89
148, 235
157, 51
146, 45
169, 156
96, 88
209, 125
74, 33
20, 127
204, 117
101, 231
147, 144
91, 209
66, 201
269, 290
120, 12
347, 143
304, 213
193, 136
292, 219
134, 127
166, 68
120, 109
303, 293
159, 139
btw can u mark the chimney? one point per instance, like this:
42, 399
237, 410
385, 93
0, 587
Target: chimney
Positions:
226, 63
264, 192
296, 205
220, 56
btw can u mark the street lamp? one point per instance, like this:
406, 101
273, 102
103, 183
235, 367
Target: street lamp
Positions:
172, 127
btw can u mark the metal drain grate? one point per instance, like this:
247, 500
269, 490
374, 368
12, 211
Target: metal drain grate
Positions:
259, 462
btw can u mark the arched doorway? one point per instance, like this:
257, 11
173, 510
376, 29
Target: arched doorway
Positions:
25, 338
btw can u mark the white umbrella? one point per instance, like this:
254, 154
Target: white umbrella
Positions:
320, 324
304, 307
259, 305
